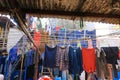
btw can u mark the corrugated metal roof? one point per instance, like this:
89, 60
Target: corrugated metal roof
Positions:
90, 10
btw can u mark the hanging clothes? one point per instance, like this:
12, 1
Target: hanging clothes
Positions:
118, 61
36, 38
64, 75
18, 66
62, 58
49, 57
89, 60
30, 72
13, 54
101, 64
119, 54
111, 57
75, 61
2, 63
30, 57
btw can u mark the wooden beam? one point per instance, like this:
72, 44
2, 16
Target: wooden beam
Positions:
79, 7
63, 13
68, 13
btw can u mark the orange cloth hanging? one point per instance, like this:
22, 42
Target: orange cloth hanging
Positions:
89, 60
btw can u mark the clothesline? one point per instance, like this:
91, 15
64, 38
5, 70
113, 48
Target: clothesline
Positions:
62, 39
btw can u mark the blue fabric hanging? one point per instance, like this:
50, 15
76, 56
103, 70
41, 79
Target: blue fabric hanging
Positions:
30, 57
75, 61
13, 54
2, 63
49, 58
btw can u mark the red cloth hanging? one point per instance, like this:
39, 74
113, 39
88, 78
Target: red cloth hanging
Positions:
89, 60
119, 54
36, 38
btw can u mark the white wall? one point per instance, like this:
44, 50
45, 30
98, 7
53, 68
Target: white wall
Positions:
14, 36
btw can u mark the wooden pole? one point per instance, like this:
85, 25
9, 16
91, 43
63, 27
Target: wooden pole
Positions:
23, 27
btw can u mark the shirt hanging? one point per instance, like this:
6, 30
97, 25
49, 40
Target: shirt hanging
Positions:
101, 67
89, 60
111, 57
62, 58
75, 61
13, 54
49, 58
